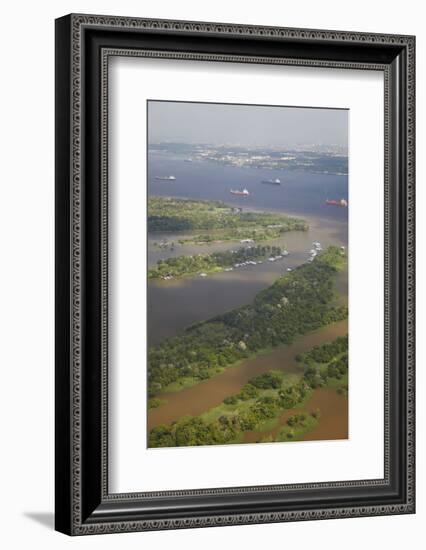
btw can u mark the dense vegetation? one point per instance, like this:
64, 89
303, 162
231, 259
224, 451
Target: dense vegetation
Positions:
246, 411
296, 427
325, 362
181, 266
154, 402
260, 401
222, 222
296, 303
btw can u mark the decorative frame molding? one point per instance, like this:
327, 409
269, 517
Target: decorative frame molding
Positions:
84, 43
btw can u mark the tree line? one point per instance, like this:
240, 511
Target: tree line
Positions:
177, 215
297, 303
269, 394
216, 261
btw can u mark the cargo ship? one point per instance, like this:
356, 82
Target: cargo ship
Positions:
165, 178
244, 192
341, 202
276, 181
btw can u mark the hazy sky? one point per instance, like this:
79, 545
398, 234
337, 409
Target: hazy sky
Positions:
245, 124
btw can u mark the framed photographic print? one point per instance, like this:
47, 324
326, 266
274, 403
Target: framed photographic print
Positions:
234, 274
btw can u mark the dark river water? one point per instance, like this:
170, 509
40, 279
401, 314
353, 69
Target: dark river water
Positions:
210, 393
176, 304
301, 192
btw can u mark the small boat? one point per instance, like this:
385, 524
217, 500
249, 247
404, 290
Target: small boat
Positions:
165, 178
244, 192
341, 202
275, 181
289, 269
188, 160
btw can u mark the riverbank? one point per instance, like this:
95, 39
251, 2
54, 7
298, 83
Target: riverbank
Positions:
182, 215
296, 303
331, 425
215, 262
196, 399
196, 299
258, 406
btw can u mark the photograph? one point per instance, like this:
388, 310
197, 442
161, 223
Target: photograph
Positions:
209, 285
247, 273
234, 273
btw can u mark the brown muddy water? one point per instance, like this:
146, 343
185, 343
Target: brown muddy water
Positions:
333, 423
176, 304
210, 393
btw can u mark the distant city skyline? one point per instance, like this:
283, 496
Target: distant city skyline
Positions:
246, 125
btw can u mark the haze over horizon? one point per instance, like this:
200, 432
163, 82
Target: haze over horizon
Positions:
246, 125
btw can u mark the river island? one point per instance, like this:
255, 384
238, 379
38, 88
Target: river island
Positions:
258, 406
247, 274
297, 303
217, 221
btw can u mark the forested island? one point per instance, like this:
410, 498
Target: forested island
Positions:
325, 362
217, 221
261, 401
298, 302
183, 266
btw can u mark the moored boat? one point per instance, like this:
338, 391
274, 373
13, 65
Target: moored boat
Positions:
165, 178
334, 202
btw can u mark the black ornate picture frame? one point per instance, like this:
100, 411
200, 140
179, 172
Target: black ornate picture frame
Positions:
84, 43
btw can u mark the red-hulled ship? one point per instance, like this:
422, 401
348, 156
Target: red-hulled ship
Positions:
341, 202
244, 192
